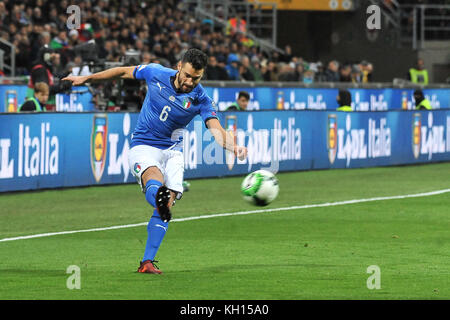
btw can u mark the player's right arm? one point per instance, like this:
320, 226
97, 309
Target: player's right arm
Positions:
110, 74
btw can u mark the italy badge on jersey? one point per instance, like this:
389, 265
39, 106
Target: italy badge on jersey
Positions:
186, 103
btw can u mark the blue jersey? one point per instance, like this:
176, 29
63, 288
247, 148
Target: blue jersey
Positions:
165, 111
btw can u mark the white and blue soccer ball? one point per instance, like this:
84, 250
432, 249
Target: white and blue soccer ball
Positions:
260, 187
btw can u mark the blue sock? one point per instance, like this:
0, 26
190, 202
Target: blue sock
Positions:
156, 230
151, 187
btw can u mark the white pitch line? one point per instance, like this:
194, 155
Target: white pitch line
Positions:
307, 206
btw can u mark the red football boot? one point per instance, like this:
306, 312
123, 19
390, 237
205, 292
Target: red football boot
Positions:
148, 266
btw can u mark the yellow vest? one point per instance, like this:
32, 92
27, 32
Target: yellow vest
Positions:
419, 76
36, 103
345, 108
425, 104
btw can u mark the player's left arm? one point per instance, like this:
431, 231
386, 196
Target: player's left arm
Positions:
225, 139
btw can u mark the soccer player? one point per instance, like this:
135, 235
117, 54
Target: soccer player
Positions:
174, 98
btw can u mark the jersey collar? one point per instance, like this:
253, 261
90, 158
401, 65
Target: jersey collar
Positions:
172, 82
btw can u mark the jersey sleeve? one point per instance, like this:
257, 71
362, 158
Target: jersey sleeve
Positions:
207, 107
144, 71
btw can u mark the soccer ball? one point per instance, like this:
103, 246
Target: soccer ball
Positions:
260, 187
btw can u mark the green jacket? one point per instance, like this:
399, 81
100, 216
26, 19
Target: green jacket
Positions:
36, 103
344, 108
233, 107
425, 104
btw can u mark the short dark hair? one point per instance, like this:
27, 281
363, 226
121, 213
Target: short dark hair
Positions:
197, 58
244, 94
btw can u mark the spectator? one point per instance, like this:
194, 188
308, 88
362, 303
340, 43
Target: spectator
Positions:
366, 71
39, 99
236, 24
221, 63
244, 69
271, 72
23, 49
287, 56
233, 67
4, 17
356, 74
310, 74
255, 69
418, 74
60, 41
287, 72
299, 72
331, 73
345, 73
73, 38
146, 58
241, 102
308, 77
320, 74
214, 71
37, 16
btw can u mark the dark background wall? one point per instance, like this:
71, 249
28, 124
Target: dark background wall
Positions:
344, 36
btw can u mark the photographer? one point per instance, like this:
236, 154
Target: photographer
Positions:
42, 71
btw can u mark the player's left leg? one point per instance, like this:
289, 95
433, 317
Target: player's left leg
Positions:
147, 163
159, 223
157, 227
165, 199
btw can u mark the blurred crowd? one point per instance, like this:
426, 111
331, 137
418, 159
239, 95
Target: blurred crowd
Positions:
157, 31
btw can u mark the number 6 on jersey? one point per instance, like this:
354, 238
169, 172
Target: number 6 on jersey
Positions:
164, 113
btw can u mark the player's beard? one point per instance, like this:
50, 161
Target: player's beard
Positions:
182, 86
186, 89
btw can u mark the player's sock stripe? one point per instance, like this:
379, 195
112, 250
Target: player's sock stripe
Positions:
306, 206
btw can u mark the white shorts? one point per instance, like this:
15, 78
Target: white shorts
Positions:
169, 162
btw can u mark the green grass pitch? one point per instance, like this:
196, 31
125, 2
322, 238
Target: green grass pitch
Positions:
311, 253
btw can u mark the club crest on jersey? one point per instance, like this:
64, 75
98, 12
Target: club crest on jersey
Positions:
186, 103
332, 137
99, 145
416, 135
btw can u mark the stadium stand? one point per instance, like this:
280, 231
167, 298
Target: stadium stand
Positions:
148, 31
